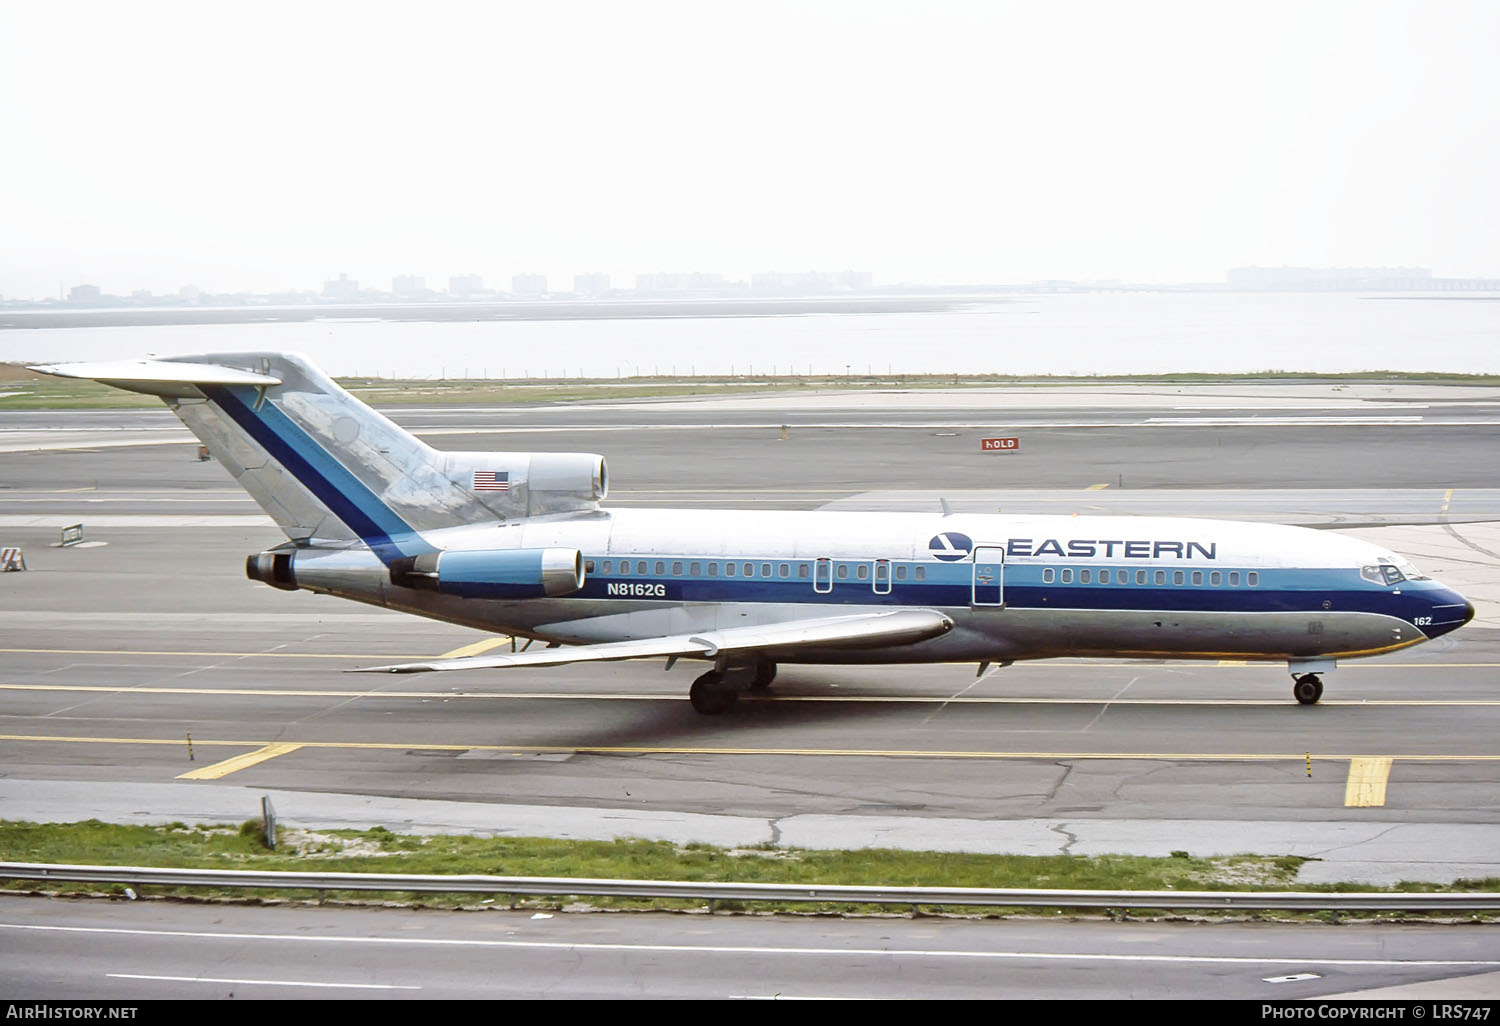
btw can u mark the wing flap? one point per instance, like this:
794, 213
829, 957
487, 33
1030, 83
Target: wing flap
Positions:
866, 630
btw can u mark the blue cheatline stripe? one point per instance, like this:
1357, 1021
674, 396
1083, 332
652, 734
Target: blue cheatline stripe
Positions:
320, 472
949, 584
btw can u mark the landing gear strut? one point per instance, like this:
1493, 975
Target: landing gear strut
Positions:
710, 695
1307, 689
765, 672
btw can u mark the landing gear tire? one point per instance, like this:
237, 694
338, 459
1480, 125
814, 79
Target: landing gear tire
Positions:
710, 696
764, 674
1308, 689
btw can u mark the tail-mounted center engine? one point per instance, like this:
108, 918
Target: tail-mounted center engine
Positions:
493, 573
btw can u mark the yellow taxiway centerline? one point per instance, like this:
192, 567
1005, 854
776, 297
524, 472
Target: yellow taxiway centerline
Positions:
477, 647
239, 762
1367, 777
407, 746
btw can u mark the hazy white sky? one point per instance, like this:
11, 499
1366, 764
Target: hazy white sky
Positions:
273, 145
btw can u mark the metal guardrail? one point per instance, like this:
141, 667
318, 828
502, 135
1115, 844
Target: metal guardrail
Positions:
1306, 901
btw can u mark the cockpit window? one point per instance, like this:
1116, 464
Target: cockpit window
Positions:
1411, 573
1383, 574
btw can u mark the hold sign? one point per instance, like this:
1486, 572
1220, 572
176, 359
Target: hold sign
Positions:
999, 444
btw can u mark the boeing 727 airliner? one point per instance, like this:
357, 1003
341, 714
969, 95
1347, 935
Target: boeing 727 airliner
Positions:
519, 543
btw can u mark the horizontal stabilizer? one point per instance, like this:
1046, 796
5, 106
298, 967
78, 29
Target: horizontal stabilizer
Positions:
158, 377
867, 630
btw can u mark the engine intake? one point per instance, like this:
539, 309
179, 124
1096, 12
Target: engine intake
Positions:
493, 573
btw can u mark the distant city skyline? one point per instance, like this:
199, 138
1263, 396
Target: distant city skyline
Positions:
268, 148
412, 288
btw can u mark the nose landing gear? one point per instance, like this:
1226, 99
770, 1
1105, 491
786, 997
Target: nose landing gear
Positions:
1307, 689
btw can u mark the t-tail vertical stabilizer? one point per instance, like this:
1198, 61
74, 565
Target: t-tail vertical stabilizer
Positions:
328, 468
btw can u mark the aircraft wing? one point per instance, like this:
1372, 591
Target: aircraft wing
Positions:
864, 630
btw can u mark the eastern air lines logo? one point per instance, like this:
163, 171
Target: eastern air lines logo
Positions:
950, 546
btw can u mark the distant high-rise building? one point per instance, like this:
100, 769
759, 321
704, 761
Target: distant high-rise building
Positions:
590, 284
343, 288
696, 281
465, 285
804, 282
529, 285
84, 294
408, 286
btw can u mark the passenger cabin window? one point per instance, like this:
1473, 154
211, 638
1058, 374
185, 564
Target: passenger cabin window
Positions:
749, 569
862, 572
900, 573
661, 568
588, 566
641, 569
802, 571
728, 569
1083, 576
1067, 575
1197, 578
1234, 578
1215, 578
1047, 575
609, 566
1253, 579
843, 571
676, 568
1140, 577
713, 569
695, 569
920, 572
1177, 576
765, 569
1161, 577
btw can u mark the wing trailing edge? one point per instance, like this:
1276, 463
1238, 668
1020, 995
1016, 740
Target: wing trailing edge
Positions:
865, 630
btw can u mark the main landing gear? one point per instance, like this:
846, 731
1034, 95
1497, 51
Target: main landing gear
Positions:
1307, 689
719, 689
711, 695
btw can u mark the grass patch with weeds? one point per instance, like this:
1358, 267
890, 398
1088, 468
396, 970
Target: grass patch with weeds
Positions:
179, 845
42, 392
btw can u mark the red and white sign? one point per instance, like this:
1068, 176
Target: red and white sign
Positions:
999, 444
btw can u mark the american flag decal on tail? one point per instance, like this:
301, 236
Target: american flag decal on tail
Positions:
491, 481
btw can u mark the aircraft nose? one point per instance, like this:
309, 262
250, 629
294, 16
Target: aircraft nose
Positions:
1446, 616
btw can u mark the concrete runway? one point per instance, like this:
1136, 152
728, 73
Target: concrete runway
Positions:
115, 653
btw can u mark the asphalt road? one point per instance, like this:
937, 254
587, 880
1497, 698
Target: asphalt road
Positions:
115, 653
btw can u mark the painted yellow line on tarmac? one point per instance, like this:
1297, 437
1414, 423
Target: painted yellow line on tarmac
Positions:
1447, 498
1234, 662
408, 746
1367, 777
1097, 487
477, 647
239, 762
674, 696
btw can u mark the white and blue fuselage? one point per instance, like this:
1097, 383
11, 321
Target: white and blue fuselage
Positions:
519, 543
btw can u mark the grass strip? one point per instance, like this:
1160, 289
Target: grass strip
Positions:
178, 845
41, 392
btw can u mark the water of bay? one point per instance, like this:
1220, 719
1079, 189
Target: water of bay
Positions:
1087, 333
